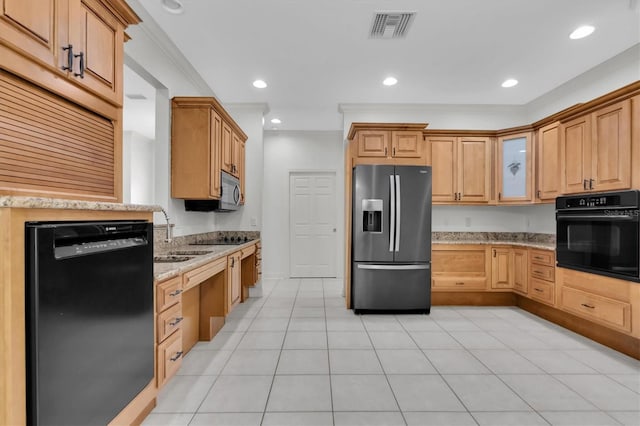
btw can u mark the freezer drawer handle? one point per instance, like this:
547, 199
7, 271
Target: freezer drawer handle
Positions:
395, 267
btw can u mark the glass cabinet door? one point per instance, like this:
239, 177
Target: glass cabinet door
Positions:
514, 162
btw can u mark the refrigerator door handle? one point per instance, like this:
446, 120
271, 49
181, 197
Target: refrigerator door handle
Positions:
392, 217
395, 267
398, 212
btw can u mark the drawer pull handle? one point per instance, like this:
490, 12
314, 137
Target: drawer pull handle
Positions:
175, 293
538, 257
538, 272
459, 283
539, 290
588, 306
176, 357
176, 321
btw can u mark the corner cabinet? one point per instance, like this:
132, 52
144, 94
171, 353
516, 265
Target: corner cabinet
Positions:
461, 168
596, 150
514, 168
204, 141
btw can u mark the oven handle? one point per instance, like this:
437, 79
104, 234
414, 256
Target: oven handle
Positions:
597, 217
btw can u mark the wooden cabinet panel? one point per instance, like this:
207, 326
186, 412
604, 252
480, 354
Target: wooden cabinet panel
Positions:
543, 257
227, 148
234, 283
543, 272
548, 162
235, 154
459, 284
197, 275
168, 322
607, 311
520, 270
32, 27
168, 293
474, 169
611, 288
169, 358
542, 291
611, 147
442, 157
98, 38
373, 143
406, 144
215, 147
575, 140
242, 170
501, 268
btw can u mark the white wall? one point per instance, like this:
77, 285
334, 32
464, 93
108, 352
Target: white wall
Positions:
296, 151
138, 164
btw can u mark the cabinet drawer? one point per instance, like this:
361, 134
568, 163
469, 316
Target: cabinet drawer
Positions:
169, 321
246, 252
169, 357
601, 309
196, 276
459, 283
611, 288
547, 273
542, 291
542, 257
168, 293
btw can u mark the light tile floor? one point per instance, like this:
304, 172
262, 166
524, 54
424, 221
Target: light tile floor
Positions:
297, 357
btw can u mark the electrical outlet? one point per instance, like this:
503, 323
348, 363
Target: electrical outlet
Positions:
467, 222
254, 221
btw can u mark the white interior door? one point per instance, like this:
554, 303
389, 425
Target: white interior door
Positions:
312, 222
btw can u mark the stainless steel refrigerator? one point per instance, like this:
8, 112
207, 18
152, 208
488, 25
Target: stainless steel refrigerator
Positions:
391, 238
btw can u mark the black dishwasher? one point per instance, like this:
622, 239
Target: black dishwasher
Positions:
89, 319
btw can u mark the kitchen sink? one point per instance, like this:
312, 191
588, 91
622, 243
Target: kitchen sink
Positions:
189, 252
171, 259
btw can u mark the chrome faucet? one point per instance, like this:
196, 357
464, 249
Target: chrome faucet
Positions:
168, 237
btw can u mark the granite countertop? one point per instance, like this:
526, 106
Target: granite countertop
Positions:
531, 244
56, 203
163, 271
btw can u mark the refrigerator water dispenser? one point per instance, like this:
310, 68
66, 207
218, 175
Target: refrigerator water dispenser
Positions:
372, 216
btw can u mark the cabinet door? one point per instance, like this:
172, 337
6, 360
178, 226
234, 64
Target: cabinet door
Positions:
234, 285
32, 27
575, 155
406, 144
373, 143
474, 169
99, 38
235, 154
514, 168
241, 169
215, 147
501, 269
611, 147
227, 148
548, 149
442, 154
520, 270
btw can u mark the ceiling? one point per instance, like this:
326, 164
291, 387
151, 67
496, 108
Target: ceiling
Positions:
315, 55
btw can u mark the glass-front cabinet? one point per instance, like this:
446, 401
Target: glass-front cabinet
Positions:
514, 168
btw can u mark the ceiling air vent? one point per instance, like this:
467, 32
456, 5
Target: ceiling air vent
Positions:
391, 24
136, 96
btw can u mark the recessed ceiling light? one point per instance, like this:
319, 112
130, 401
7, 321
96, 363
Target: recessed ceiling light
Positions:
390, 81
260, 84
276, 121
581, 32
173, 6
510, 82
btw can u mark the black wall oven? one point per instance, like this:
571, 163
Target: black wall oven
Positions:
599, 233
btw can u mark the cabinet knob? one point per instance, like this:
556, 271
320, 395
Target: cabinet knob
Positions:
538, 193
394, 150
175, 293
69, 50
176, 357
385, 150
591, 183
584, 184
176, 321
588, 306
81, 73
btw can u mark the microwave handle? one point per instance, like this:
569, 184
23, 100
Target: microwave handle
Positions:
597, 216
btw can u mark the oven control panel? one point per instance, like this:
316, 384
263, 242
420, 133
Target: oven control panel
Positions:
599, 201
620, 199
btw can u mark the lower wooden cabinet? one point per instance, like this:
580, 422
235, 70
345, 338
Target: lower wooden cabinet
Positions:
459, 268
521, 270
501, 268
542, 276
169, 358
234, 280
542, 291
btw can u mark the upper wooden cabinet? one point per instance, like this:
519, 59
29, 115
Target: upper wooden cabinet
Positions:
388, 142
461, 168
81, 40
202, 134
596, 150
514, 168
548, 162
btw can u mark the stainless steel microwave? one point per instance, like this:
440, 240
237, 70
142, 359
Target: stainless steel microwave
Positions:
229, 199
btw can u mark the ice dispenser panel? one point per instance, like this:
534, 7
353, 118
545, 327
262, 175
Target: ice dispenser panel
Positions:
372, 216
